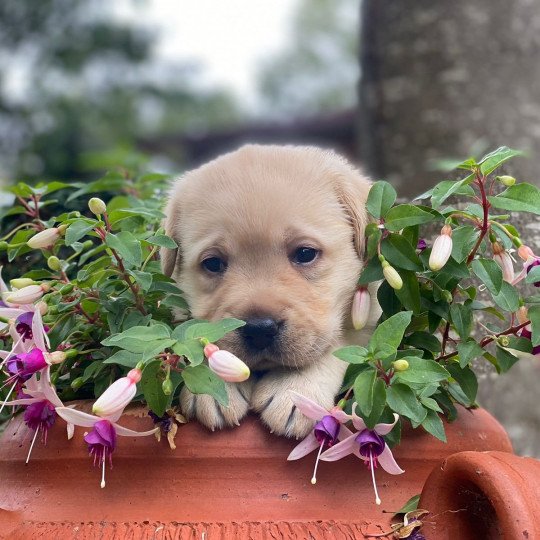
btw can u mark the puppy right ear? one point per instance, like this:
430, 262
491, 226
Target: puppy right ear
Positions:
169, 257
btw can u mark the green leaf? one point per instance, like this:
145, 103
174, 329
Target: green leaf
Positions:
505, 360
521, 197
363, 390
466, 378
142, 339
398, 251
192, 349
463, 240
371, 272
379, 403
213, 331
534, 275
402, 400
405, 215
162, 241
461, 316
380, 199
409, 294
124, 358
430, 403
201, 380
409, 506
468, 351
496, 158
372, 243
423, 340
490, 274
508, 298
353, 354
127, 246
534, 317
447, 188
433, 424
422, 371
151, 386
390, 332
144, 279
78, 229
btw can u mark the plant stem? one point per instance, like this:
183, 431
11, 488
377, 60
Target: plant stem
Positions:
485, 223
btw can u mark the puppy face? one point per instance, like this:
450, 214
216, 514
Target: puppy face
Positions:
270, 235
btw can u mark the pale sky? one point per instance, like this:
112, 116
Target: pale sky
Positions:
227, 37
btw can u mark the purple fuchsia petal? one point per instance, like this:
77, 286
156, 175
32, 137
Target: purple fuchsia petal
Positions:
326, 430
33, 361
40, 415
371, 443
421, 244
530, 266
23, 325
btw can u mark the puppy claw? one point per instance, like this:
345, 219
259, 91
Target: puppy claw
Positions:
210, 413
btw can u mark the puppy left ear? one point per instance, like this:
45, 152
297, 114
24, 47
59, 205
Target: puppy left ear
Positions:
352, 190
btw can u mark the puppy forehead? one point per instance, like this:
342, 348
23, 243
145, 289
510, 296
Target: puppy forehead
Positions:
273, 195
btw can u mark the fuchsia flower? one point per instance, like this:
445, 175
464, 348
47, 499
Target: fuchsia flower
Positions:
503, 259
108, 408
530, 261
526, 332
40, 399
326, 432
361, 308
225, 364
421, 245
369, 445
442, 249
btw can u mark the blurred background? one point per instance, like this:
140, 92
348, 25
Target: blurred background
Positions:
399, 87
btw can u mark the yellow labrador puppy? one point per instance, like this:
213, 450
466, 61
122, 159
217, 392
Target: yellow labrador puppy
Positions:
272, 235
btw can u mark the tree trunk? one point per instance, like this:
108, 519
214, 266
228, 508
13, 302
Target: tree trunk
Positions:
447, 79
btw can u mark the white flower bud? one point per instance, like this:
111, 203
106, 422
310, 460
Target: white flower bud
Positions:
391, 275
44, 239
97, 206
504, 260
228, 367
56, 357
26, 295
361, 308
442, 249
20, 283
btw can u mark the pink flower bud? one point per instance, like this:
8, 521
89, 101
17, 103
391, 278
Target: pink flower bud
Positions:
504, 260
26, 295
391, 275
115, 399
442, 249
44, 239
525, 252
228, 367
361, 308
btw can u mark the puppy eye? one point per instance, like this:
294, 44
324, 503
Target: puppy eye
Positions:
215, 265
305, 255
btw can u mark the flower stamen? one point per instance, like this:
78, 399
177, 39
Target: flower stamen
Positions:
7, 397
103, 470
371, 466
32, 445
314, 477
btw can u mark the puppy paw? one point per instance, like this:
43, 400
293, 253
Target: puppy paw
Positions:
212, 414
272, 400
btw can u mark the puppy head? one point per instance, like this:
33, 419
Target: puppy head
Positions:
273, 236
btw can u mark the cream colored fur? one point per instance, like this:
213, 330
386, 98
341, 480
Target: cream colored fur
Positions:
256, 206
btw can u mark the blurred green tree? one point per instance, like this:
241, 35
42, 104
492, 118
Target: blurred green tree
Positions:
319, 70
75, 79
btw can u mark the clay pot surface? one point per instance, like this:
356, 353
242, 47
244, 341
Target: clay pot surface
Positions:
483, 495
235, 483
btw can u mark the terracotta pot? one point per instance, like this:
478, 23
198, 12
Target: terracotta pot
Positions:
483, 495
235, 483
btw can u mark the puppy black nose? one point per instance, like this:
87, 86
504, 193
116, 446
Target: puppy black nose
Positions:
260, 333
